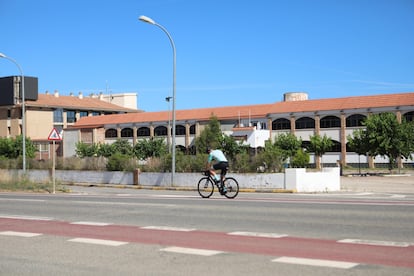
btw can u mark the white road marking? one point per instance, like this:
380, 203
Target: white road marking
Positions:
98, 241
398, 196
168, 228
24, 217
380, 243
315, 262
254, 234
192, 251
92, 223
20, 234
175, 196
126, 204
22, 199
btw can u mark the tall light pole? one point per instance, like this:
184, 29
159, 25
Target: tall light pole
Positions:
168, 99
23, 110
150, 21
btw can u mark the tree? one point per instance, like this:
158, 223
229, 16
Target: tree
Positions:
358, 142
105, 150
123, 147
271, 157
150, 148
319, 145
13, 147
300, 159
289, 144
86, 150
389, 138
231, 147
210, 136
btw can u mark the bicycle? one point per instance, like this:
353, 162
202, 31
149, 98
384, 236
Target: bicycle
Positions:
206, 185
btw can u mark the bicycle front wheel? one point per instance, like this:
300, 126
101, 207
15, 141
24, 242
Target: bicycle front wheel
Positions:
232, 187
205, 187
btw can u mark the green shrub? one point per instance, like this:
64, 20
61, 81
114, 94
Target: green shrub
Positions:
121, 162
300, 159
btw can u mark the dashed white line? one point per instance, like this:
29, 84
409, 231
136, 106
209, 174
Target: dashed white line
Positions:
25, 217
20, 234
398, 196
98, 241
315, 262
254, 234
92, 223
168, 228
378, 243
192, 251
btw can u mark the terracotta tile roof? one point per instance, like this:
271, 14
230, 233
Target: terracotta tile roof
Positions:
75, 103
374, 101
203, 114
253, 111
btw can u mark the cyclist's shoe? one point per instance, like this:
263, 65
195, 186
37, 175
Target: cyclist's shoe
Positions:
223, 190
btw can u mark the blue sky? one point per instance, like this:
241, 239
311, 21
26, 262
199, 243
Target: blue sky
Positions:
229, 52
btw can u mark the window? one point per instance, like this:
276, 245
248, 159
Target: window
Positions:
193, 129
330, 122
127, 132
95, 113
59, 128
58, 115
409, 117
336, 147
305, 122
143, 131
83, 114
306, 145
111, 133
160, 131
179, 130
355, 120
70, 116
281, 124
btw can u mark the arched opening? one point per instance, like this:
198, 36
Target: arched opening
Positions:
280, 124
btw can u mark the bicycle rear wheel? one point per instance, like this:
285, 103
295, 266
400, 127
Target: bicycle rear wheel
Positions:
232, 187
205, 187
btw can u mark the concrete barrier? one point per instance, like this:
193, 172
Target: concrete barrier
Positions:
327, 180
294, 179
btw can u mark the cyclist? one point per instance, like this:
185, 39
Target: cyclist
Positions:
221, 164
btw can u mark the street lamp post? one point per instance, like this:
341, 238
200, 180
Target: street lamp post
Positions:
150, 21
23, 110
168, 99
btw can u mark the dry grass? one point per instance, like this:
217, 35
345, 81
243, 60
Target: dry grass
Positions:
16, 183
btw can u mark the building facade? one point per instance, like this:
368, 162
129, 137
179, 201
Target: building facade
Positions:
252, 124
51, 110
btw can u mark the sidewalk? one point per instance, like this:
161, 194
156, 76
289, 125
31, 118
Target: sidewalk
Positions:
378, 184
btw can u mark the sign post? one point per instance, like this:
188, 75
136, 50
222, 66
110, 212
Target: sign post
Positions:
54, 136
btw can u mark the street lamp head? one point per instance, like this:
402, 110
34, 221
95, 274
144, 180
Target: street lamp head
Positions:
2, 55
146, 19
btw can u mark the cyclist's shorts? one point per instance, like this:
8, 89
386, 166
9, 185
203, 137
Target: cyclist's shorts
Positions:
223, 166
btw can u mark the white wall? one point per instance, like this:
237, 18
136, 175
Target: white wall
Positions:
300, 180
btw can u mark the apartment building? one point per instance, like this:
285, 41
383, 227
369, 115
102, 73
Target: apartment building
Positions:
251, 124
47, 111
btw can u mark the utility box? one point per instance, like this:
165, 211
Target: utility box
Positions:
10, 89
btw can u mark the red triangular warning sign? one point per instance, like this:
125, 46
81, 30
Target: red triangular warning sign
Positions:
54, 135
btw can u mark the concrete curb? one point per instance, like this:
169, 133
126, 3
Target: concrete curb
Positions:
166, 188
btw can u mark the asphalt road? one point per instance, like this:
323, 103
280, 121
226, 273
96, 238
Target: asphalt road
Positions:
143, 232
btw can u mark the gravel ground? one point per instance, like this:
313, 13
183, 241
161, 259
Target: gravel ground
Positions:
403, 183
